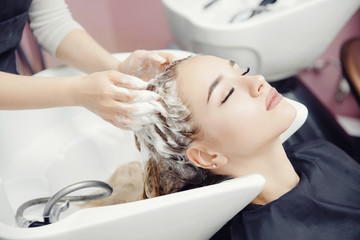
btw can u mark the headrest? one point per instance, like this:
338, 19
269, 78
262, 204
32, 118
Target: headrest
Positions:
301, 115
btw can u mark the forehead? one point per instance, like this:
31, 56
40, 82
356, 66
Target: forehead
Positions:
201, 67
196, 74
194, 77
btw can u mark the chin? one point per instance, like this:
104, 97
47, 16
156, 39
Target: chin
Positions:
287, 114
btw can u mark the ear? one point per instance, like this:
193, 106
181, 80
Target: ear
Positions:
204, 158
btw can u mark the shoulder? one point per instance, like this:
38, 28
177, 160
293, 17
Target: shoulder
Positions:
321, 151
333, 175
322, 158
317, 145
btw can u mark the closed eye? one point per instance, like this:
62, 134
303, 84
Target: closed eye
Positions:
228, 95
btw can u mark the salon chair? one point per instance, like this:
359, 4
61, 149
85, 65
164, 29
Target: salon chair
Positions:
350, 61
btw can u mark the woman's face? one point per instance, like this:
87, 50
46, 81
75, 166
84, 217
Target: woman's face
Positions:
238, 114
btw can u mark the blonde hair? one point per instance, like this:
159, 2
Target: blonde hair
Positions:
163, 142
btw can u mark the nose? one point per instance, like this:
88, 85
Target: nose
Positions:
256, 84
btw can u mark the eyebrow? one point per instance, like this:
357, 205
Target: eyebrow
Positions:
216, 81
213, 85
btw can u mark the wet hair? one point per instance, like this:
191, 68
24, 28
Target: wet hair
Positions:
163, 142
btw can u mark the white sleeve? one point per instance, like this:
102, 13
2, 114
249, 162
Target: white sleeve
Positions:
51, 21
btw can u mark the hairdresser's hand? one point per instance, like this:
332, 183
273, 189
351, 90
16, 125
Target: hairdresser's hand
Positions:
117, 98
146, 64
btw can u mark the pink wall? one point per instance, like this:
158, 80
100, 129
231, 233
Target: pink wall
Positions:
127, 25
122, 25
324, 83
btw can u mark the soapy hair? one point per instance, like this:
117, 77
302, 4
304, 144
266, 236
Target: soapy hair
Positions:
163, 142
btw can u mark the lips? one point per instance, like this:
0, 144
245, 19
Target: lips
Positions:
273, 98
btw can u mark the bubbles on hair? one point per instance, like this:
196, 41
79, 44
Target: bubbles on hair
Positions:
168, 123
164, 141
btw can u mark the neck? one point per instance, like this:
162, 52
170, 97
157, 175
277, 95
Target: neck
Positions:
272, 163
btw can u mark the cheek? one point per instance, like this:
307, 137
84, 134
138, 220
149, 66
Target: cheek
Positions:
247, 127
247, 130
237, 127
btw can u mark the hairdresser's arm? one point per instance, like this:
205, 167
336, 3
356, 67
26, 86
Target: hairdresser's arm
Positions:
115, 97
24, 92
60, 35
81, 51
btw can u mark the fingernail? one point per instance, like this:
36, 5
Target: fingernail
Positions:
137, 82
158, 58
120, 89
